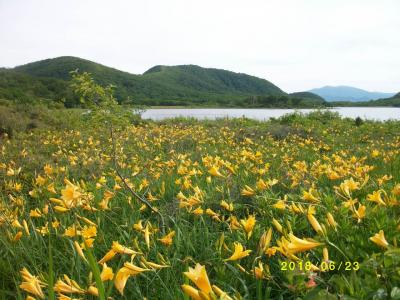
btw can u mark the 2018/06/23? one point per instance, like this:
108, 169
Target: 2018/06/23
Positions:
323, 266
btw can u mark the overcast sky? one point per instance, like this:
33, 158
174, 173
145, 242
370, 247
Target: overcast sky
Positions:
297, 45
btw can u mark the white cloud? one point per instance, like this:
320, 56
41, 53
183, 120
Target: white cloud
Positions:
296, 44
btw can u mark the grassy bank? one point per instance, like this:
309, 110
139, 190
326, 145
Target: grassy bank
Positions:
296, 207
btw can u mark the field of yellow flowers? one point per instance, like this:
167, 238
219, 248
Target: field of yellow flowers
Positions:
302, 207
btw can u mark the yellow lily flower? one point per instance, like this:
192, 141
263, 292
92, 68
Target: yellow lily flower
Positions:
376, 197
247, 191
314, 223
379, 239
248, 225
167, 240
220, 293
265, 240
31, 284
123, 275
199, 277
191, 292
310, 195
360, 212
331, 220
214, 171
106, 273
238, 253
227, 206
68, 286
295, 245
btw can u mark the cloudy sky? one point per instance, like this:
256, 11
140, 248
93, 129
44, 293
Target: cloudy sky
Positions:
296, 44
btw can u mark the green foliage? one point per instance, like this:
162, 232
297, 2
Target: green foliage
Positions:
392, 101
19, 117
103, 106
283, 101
27, 89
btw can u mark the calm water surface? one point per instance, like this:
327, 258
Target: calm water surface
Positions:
370, 113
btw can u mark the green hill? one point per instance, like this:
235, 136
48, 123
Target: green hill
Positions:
392, 101
161, 85
307, 95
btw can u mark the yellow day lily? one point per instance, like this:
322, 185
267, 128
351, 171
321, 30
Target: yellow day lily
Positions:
375, 153
295, 245
238, 253
347, 186
310, 195
146, 233
123, 275
396, 190
248, 225
68, 286
116, 248
247, 191
71, 195
167, 240
31, 284
17, 236
51, 188
92, 290
259, 271
325, 254
106, 273
280, 204
220, 293
261, 185
379, 239
227, 206
331, 220
376, 197
359, 213
234, 223
191, 292
148, 264
199, 277
138, 226
198, 211
79, 250
314, 223
214, 171
213, 214
35, 213
265, 240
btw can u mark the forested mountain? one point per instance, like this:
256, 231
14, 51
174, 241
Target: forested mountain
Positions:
160, 85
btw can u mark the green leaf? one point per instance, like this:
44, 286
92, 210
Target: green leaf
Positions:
319, 294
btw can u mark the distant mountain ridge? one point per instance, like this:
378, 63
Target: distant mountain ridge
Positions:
348, 93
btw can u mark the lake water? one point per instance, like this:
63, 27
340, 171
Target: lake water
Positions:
370, 113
